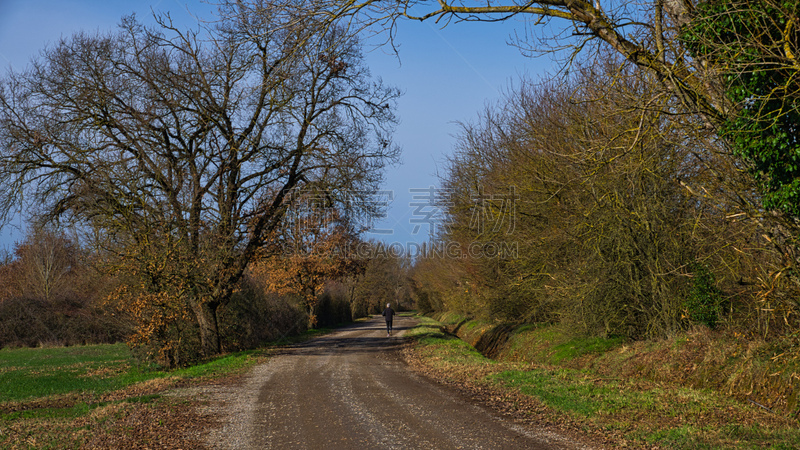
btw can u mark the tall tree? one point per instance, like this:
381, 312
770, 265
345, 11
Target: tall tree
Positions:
48, 263
652, 35
644, 33
608, 238
383, 279
181, 148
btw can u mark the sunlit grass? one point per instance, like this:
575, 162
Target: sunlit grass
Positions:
55, 397
579, 346
647, 413
40, 372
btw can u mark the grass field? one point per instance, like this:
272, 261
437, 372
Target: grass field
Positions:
81, 396
61, 398
27, 373
89, 371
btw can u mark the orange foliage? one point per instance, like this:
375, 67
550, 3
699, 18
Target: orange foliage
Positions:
313, 250
160, 318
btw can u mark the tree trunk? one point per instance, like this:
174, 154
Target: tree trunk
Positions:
206, 314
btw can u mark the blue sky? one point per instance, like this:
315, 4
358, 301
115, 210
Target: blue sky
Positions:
448, 75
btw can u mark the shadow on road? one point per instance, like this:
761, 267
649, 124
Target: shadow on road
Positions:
364, 337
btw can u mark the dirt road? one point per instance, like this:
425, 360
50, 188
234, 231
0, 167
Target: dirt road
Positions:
352, 390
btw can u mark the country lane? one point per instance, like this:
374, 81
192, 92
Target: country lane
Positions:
352, 390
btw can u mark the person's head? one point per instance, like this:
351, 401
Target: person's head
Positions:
388, 305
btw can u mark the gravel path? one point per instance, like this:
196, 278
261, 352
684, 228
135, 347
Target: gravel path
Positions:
352, 390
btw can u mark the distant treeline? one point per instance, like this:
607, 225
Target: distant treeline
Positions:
55, 293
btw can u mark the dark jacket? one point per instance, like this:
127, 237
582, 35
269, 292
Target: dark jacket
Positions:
388, 313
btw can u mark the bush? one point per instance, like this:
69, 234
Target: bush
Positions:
254, 317
167, 334
703, 305
164, 331
31, 322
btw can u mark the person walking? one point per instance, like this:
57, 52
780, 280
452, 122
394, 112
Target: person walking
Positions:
388, 314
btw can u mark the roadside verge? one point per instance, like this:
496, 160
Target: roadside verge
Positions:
615, 411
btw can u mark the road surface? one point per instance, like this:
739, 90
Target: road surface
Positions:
351, 390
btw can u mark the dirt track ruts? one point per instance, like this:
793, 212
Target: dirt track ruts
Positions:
351, 390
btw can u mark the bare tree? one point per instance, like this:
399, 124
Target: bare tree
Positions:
181, 148
698, 50
607, 236
46, 259
645, 33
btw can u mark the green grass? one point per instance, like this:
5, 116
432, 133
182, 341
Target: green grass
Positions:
219, 366
580, 393
450, 349
548, 343
558, 389
426, 328
577, 347
41, 372
28, 374
34, 373
727, 436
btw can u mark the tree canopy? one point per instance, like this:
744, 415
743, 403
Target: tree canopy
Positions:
183, 149
754, 47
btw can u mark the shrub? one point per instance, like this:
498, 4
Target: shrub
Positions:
253, 317
703, 305
32, 321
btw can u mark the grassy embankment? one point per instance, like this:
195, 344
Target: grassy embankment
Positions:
99, 396
630, 393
